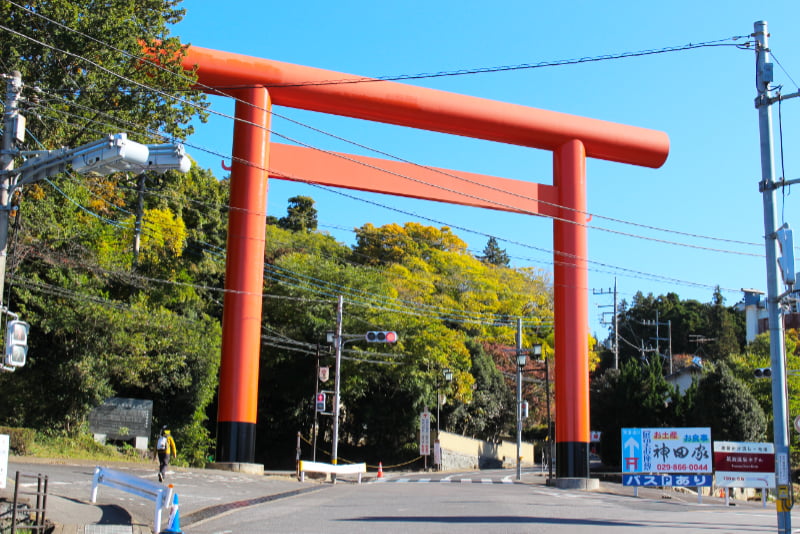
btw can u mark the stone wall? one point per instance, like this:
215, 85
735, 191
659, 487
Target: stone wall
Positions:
459, 452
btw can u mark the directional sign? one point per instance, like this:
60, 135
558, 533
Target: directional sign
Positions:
661, 481
666, 450
744, 464
425, 433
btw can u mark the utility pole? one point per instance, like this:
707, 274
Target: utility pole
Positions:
13, 131
616, 320
316, 413
337, 344
659, 339
767, 187
519, 397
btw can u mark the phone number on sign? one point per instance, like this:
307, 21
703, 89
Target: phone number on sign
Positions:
697, 468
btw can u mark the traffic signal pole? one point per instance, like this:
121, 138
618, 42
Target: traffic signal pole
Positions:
767, 186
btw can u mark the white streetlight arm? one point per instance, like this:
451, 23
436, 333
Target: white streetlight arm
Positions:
115, 153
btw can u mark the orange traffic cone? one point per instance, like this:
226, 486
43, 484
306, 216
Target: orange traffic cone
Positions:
380, 469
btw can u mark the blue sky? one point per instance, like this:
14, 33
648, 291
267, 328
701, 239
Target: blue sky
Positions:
702, 98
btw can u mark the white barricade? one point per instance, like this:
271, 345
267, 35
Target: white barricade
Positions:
343, 469
153, 491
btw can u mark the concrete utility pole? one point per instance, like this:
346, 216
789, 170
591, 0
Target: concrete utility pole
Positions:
517, 360
767, 186
13, 131
616, 320
659, 339
337, 343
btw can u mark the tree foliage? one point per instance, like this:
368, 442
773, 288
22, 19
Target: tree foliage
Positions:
494, 255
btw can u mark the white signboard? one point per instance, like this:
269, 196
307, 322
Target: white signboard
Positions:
437, 453
666, 450
744, 464
425, 433
3, 460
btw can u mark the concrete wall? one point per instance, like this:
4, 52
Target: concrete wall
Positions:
459, 452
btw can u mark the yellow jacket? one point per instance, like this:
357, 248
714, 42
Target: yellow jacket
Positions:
166, 444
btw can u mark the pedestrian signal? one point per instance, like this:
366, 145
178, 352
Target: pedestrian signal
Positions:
763, 372
381, 337
320, 402
16, 343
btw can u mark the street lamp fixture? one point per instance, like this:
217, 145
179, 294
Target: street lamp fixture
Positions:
448, 374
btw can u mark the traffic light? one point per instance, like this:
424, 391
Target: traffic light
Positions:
320, 402
381, 337
16, 343
762, 372
525, 409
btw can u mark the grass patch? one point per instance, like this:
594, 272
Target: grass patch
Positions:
83, 447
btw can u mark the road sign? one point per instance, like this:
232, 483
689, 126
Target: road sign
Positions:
662, 481
666, 450
324, 374
425, 433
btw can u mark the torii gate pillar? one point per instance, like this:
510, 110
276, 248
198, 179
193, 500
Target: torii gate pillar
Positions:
244, 278
571, 306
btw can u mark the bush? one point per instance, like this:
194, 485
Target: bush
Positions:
20, 440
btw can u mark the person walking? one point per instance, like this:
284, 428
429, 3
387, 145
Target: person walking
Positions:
165, 447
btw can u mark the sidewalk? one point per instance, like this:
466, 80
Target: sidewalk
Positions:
70, 509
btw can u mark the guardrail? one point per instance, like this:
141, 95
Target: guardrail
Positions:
319, 467
153, 491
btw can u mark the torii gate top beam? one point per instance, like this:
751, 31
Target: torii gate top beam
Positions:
335, 93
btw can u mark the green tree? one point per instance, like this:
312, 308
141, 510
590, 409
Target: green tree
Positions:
301, 215
636, 395
494, 255
88, 62
725, 404
490, 413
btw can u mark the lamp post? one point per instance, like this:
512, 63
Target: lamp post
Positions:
521, 360
448, 377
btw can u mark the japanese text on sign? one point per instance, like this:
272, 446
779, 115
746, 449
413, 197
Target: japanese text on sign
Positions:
666, 450
683, 481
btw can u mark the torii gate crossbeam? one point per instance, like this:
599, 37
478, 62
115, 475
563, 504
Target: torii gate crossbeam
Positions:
258, 83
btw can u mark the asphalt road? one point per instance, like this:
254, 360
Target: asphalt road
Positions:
215, 502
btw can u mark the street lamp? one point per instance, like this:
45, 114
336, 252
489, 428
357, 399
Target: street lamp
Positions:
448, 377
522, 358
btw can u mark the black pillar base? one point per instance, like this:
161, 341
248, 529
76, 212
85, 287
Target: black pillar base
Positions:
236, 442
572, 459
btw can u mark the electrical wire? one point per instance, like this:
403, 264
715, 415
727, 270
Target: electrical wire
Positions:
65, 52
450, 174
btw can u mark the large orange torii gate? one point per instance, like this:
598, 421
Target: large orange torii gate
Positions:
259, 83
